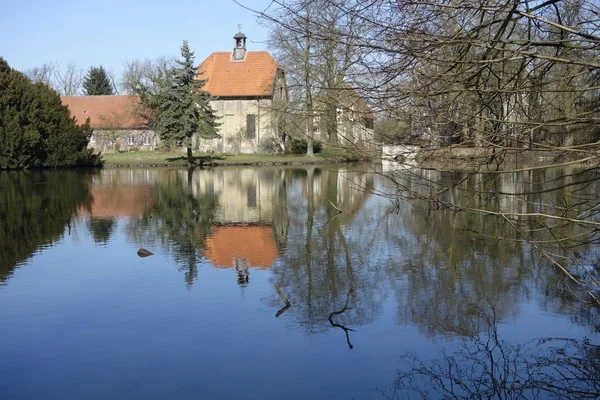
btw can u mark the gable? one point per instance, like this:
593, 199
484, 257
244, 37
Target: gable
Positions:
253, 77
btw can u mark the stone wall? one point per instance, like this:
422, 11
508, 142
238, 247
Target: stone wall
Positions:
113, 140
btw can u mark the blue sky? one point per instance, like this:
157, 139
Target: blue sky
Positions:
109, 32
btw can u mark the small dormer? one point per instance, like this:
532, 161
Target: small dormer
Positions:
239, 49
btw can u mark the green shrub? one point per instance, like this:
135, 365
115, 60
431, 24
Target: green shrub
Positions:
299, 146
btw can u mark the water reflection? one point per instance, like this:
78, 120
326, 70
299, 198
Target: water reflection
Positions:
35, 209
486, 366
250, 225
347, 259
327, 269
178, 219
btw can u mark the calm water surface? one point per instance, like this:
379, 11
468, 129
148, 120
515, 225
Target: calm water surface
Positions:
385, 301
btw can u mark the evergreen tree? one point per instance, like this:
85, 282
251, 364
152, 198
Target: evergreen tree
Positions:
96, 83
36, 129
179, 108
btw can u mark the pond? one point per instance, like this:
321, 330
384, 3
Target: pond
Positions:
388, 299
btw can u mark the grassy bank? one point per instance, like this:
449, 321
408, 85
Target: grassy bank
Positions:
157, 158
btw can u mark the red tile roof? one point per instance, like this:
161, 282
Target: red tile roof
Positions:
106, 111
252, 77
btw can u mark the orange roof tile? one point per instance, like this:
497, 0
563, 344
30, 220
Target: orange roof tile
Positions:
106, 111
249, 78
255, 244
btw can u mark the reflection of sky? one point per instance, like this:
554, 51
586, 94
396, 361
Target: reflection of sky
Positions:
85, 320
98, 322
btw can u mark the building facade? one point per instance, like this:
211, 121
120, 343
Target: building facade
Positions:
116, 122
248, 88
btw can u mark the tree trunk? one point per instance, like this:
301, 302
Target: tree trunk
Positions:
309, 126
190, 157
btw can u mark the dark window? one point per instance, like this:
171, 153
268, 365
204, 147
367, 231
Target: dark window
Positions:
250, 126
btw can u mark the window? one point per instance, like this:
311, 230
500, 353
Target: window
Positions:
131, 140
146, 141
93, 138
250, 126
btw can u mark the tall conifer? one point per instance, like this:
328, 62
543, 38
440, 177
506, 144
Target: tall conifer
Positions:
97, 83
180, 109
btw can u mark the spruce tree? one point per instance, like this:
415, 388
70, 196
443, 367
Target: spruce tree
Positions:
96, 83
179, 108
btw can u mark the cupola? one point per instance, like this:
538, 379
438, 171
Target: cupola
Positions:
239, 48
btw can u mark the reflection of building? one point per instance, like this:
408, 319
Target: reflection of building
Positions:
345, 188
250, 220
241, 246
246, 195
119, 193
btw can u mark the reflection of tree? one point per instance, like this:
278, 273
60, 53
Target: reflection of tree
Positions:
102, 228
178, 219
35, 207
553, 212
484, 366
453, 261
325, 271
342, 327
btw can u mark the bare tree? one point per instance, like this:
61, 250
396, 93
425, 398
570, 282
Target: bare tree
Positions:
305, 37
43, 74
69, 79
487, 79
146, 72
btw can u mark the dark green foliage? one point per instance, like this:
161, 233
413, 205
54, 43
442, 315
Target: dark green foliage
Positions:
35, 209
96, 83
299, 146
179, 109
36, 129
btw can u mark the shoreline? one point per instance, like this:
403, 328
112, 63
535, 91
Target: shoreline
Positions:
230, 163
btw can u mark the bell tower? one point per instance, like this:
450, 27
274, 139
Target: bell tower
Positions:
239, 47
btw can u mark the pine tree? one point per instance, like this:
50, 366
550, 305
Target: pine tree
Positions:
179, 108
96, 83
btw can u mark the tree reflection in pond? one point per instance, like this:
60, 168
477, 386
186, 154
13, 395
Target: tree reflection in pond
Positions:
454, 261
325, 271
35, 208
102, 228
486, 367
178, 219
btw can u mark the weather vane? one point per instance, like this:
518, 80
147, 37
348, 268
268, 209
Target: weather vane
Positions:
239, 27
